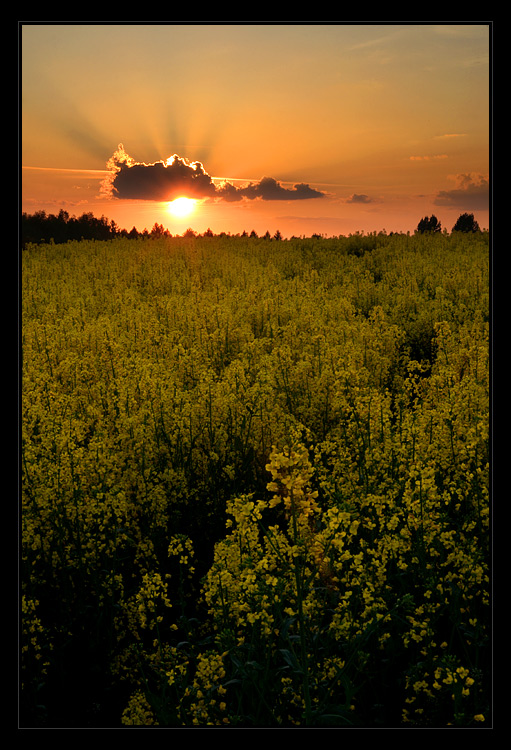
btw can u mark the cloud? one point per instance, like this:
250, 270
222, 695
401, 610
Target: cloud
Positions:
270, 190
471, 193
359, 198
176, 176
163, 180
428, 158
451, 135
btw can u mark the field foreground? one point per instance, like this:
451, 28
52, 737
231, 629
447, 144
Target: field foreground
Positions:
255, 483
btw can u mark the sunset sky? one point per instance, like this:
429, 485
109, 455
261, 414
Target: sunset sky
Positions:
304, 128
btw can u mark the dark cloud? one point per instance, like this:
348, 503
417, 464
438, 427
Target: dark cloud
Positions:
165, 180
472, 193
270, 190
359, 198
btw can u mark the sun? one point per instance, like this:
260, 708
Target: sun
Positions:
181, 207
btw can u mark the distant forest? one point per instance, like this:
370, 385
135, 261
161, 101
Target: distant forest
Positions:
41, 227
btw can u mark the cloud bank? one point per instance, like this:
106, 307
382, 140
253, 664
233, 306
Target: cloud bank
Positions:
471, 193
176, 176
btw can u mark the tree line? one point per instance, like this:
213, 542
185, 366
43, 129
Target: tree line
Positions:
41, 227
464, 223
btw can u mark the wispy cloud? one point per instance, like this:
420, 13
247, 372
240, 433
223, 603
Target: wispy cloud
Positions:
451, 135
429, 158
68, 169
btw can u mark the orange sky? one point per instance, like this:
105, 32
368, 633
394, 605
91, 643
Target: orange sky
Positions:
390, 122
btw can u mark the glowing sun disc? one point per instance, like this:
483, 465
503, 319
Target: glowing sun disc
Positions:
181, 207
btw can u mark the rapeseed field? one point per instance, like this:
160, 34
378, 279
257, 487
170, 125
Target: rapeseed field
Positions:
255, 485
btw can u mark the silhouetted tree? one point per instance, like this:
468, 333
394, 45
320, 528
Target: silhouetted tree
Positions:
429, 224
466, 223
42, 227
158, 231
277, 235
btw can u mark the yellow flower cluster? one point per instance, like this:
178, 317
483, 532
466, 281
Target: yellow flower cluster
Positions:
152, 590
425, 694
138, 712
207, 706
181, 546
35, 648
291, 476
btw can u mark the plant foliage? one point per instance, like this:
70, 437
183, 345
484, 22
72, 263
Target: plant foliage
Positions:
255, 482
